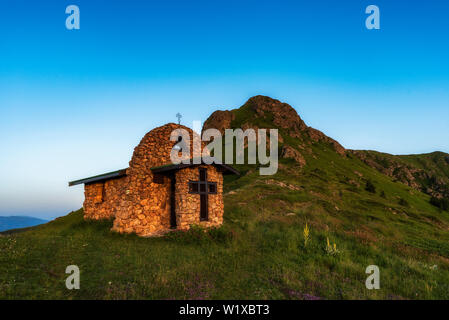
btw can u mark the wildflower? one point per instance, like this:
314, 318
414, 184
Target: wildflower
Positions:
331, 249
306, 233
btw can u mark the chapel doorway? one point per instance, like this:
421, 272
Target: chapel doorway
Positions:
172, 202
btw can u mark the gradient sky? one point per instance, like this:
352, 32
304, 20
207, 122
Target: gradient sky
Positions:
74, 103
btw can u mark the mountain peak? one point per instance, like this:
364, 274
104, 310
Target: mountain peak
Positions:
265, 112
284, 116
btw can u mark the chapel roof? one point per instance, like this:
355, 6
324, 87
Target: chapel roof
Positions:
227, 169
100, 178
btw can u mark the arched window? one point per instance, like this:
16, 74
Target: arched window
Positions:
178, 145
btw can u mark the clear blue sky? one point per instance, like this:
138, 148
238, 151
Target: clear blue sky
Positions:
75, 103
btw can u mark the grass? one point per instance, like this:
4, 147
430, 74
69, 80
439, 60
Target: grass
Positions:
259, 253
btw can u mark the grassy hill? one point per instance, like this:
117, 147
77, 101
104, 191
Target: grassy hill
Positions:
428, 173
259, 253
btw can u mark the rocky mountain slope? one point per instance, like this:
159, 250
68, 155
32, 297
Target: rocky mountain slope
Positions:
265, 112
428, 173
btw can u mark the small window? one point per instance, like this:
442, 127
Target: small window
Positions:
178, 146
158, 178
212, 188
193, 187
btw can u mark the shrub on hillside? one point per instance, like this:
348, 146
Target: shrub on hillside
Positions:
220, 234
370, 187
441, 203
403, 202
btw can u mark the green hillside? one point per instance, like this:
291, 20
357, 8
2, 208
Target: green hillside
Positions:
428, 173
259, 253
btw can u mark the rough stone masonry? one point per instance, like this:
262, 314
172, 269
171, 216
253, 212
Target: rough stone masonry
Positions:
153, 195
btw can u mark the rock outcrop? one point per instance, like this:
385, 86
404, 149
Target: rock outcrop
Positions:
278, 114
219, 120
288, 152
283, 115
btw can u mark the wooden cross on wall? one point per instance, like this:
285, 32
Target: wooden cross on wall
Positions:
203, 188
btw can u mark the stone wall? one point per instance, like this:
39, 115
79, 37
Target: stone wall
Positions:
148, 212
103, 199
188, 205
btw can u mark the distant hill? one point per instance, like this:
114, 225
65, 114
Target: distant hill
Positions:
15, 222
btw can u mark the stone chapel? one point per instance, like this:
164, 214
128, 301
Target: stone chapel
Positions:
153, 195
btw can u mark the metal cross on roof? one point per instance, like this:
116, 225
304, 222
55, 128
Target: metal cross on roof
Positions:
179, 116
